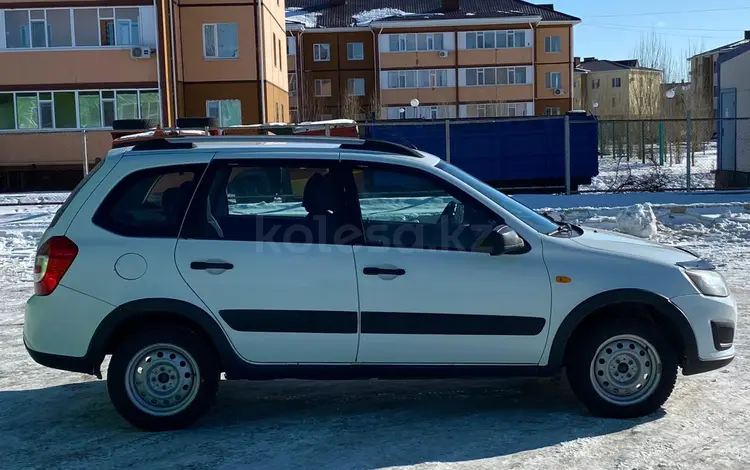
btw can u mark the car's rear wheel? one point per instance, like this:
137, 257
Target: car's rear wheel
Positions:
162, 378
622, 368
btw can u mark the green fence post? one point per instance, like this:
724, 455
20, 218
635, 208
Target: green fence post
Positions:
661, 143
643, 141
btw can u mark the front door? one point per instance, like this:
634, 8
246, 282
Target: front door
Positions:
257, 248
426, 295
728, 127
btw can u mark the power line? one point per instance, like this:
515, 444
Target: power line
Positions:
678, 12
634, 30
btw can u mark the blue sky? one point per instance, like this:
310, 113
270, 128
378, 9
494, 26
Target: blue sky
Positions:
611, 29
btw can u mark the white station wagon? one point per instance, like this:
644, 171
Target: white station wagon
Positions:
324, 258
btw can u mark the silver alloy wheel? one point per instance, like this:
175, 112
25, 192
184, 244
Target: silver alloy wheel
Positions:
626, 370
162, 379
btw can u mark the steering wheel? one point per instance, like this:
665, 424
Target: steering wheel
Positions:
452, 215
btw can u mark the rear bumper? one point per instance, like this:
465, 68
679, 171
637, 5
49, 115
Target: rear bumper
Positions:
73, 364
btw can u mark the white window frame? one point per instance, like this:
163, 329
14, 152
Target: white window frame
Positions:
76, 95
549, 84
316, 52
549, 43
349, 86
616, 82
291, 45
350, 51
218, 102
216, 42
434, 77
319, 85
509, 72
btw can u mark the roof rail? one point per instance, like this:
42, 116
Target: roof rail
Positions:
382, 146
162, 144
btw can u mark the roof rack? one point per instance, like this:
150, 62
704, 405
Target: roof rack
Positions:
382, 146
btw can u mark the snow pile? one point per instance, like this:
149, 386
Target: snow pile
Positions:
368, 16
638, 220
309, 19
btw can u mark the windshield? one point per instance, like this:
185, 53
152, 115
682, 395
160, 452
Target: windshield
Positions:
531, 218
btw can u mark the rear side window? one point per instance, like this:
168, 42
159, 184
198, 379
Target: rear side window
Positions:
149, 203
74, 193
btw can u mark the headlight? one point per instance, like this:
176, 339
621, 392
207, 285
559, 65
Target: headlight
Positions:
709, 283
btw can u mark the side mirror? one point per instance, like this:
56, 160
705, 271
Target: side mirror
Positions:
502, 240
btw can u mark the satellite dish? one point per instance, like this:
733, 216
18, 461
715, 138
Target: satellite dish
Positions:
596, 105
414, 103
401, 110
686, 87
671, 93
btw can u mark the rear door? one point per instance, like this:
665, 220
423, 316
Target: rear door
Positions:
258, 248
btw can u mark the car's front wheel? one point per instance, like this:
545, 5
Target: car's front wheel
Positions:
622, 368
163, 378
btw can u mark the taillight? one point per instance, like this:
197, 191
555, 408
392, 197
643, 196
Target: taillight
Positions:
53, 259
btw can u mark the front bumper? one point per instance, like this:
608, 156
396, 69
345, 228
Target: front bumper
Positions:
713, 321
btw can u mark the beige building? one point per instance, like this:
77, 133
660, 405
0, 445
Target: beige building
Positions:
617, 89
453, 58
69, 66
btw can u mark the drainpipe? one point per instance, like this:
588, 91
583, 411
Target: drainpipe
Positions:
165, 42
533, 66
158, 70
377, 73
172, 57
261, 59
300, 78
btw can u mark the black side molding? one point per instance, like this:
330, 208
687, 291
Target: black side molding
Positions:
398, 323
291, 321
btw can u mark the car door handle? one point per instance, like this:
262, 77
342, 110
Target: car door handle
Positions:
205, 265
374, 271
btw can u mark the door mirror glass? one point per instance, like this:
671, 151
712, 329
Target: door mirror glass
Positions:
502, 240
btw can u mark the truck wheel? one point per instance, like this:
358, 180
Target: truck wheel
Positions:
163, 378
622, 368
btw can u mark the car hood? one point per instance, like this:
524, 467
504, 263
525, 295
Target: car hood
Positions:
629, 245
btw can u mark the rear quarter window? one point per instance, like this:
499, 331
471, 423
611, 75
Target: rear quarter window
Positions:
74, 193
149, 203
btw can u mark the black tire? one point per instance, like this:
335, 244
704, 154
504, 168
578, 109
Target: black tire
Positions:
207, 368
197, 123
581, 354
134, 124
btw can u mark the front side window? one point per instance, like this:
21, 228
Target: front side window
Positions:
355, 51
228, 112
321, 52
405, 208
149, 203
220, 41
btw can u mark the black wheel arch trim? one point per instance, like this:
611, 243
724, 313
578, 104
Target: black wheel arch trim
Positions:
107, 329
661, 304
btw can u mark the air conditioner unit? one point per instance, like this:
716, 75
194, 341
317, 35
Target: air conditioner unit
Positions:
559, 92
443, 54
140, 53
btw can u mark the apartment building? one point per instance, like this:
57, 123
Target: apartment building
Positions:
704, 76
71, 66
430, 59
617, 89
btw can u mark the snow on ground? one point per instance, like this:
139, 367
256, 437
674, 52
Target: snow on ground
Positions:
55, 419
617, 172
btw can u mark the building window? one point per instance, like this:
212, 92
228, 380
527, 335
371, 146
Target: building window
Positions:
552, 44
321, 52
280, 58
355, 51
293, 84
497, 76
291, 45
322, 87
88, 109
496, 39
596, 83
275, 51
614, 102
276, 110
228, 112
437, 78
616, 82
356, 86
420, 112
553, 80
552, 111
55, 27
220, 41
416, 42
496, 110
